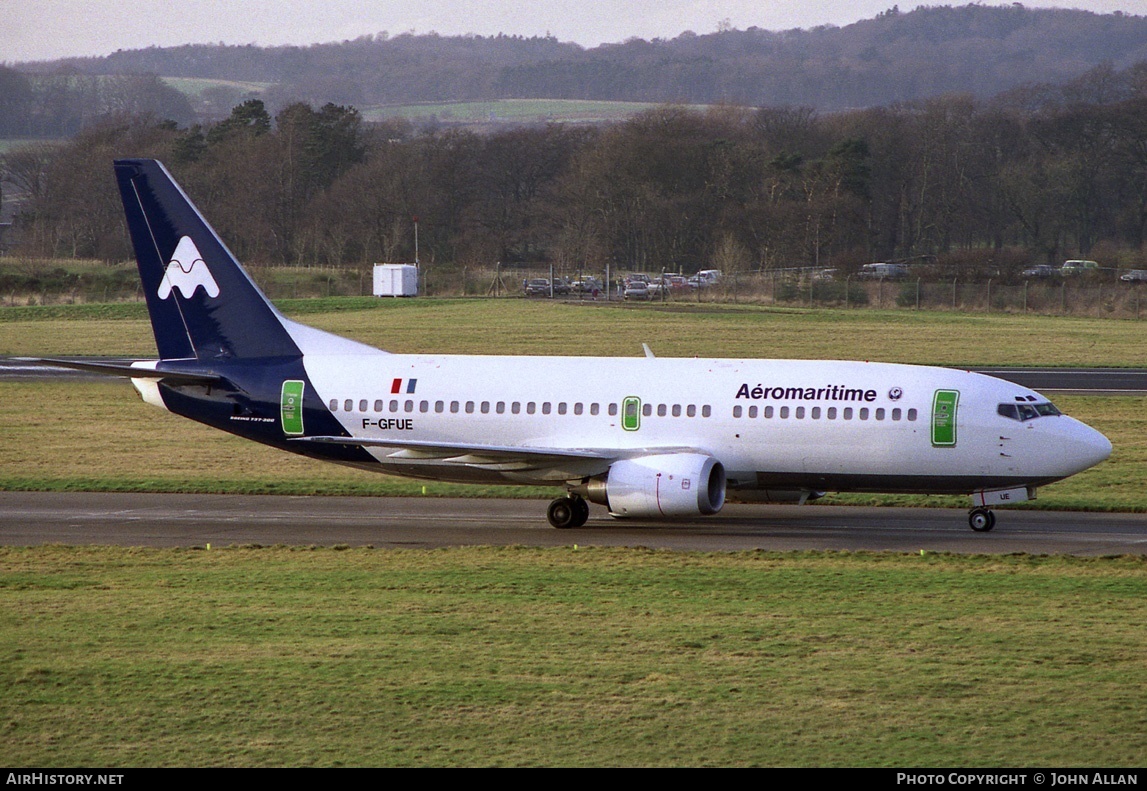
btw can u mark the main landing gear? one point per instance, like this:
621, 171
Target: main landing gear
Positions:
981, 519
569, 511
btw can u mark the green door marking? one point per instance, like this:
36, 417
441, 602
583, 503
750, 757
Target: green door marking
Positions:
944, 418
291, 406
631, 413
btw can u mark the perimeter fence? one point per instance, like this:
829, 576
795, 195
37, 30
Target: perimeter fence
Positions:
42, 282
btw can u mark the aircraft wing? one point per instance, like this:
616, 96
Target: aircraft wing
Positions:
577, 462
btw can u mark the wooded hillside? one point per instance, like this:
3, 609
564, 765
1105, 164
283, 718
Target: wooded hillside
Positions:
895, 57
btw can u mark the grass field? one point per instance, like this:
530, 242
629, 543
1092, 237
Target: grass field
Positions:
285, 657
278, 656
512, 110
489, 326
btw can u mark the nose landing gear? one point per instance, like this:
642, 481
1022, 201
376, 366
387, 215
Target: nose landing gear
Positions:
571, 511
981, 519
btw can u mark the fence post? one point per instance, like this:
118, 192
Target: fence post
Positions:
847, 285
954, 293
989, 295
917, 293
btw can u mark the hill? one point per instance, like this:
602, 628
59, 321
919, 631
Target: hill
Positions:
894, 57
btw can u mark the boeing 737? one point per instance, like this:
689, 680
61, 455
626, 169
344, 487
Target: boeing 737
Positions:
646, 437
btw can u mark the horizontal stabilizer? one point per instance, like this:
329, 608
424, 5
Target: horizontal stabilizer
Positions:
115, 369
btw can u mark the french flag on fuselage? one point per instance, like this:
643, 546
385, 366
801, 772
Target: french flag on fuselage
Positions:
397, 385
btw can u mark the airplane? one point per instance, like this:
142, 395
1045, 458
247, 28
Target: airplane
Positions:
647, 437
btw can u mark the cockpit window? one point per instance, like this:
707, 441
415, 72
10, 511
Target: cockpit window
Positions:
1025, 412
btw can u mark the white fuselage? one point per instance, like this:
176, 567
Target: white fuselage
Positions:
773, 424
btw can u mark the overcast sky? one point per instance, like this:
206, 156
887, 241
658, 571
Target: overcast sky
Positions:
47, 29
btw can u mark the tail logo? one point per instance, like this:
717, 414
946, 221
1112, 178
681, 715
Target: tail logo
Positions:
187, 271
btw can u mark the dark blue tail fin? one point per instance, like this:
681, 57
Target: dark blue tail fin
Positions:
203, 304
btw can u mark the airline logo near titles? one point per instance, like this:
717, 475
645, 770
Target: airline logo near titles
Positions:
187, 271
403, 385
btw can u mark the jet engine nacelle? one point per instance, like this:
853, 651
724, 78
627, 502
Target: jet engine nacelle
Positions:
672, 484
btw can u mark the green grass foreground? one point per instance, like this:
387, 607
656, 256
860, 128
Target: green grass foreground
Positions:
484, 656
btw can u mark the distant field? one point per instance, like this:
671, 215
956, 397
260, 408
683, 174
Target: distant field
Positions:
520, 110
194, 86
12, 143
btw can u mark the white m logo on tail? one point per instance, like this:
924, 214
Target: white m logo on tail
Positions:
187, 271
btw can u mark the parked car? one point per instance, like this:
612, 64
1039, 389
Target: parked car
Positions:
1077, 267
881, 271
636, 289
1134, 276
586, 285
1039, 270
537, 287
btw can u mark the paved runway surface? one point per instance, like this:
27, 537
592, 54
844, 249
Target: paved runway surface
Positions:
196, 520
168, 520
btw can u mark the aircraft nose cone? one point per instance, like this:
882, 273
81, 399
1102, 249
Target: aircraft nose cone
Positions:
1085, 447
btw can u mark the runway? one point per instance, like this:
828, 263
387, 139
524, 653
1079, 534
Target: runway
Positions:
189, 520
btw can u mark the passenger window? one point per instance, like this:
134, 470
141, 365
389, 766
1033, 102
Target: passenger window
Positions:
501, 407
578, 408
362, 405
676, 410
848, 413
485, 407
394, 406
706, 411
545, 407
408, 406
737, 411
784, 412
531, 407
469, 407
864, 413
424, 406
378, 405
439, 406
768, 411
516, 407
816, 413
800, 413
911, 414
348, 405
455, 406
832, 413
561, 407
691, 411
593, 409
752, 411
647, 410
334, 405
896, 414
880, 414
